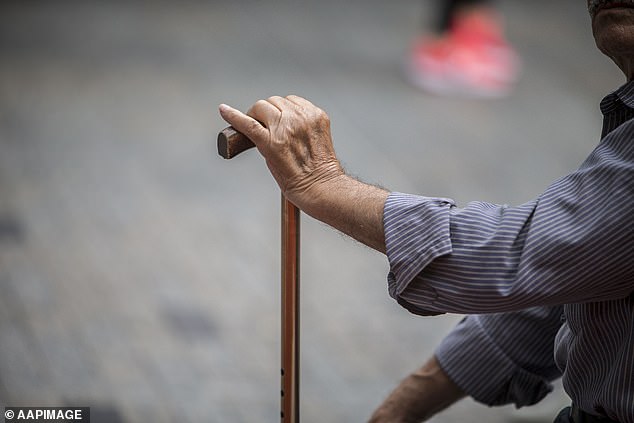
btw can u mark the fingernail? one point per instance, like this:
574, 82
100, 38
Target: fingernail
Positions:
224, 108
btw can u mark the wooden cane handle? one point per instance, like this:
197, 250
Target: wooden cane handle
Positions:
231, 143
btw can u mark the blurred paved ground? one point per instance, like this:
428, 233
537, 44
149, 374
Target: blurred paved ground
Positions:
139, 272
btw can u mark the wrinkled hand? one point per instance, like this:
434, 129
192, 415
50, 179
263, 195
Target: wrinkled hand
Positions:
293, 136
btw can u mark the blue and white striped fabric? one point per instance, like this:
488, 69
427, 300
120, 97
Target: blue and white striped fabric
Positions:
558, 270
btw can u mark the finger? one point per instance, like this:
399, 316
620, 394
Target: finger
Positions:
245, 124
264, 112
305, 106
300, 101
280, 102
310, 110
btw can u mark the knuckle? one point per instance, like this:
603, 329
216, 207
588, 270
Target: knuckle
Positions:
253, 128
259, 104
251, 110
323, 116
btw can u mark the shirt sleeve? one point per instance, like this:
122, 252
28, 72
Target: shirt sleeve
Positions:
504, 358
574, 243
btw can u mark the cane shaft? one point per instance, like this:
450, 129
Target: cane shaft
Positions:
230, 144
290, 312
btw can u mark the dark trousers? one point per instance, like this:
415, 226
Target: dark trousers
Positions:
448, 10
563, 416
570, 415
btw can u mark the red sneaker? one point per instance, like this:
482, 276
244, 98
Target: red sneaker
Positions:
472, 60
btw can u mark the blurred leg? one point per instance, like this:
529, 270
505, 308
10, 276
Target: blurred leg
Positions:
467, 55
450, 8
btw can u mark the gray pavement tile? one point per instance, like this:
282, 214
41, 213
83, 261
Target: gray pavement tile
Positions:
11, 230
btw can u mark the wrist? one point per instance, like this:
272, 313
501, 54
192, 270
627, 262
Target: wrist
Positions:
315, 193
352, 207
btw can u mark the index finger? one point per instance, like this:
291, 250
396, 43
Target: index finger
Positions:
244, 123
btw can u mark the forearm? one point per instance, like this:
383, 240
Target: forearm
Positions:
419, 396
352, 207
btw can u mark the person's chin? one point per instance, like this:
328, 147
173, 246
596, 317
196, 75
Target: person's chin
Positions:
613, 29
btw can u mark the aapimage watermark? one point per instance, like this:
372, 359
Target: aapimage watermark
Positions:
47, 414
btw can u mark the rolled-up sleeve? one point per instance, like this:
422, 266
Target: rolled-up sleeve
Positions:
449, 259
571, 244
417, 232
504, 358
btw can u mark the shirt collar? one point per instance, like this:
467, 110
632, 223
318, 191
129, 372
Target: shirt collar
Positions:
623, 96
617, 108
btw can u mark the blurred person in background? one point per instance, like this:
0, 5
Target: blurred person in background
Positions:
467, 53
548, 286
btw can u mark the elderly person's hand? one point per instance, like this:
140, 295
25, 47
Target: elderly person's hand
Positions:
293, 136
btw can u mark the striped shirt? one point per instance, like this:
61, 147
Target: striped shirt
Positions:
556, 271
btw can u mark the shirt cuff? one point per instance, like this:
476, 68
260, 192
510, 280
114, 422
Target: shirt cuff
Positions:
482, 370
416, 233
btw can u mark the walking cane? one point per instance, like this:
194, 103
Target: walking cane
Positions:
230, 144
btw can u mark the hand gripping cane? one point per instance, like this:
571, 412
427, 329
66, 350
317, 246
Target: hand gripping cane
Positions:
230, 144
